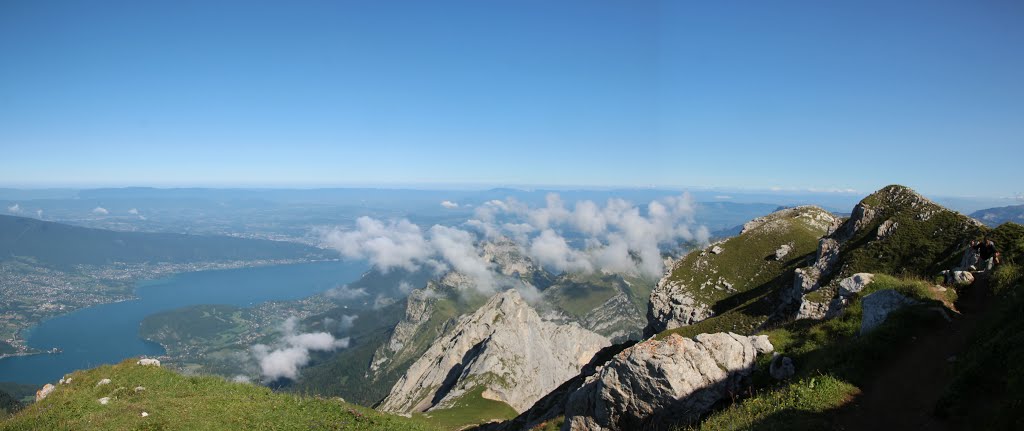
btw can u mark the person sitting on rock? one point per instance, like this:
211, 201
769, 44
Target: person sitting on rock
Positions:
988, 253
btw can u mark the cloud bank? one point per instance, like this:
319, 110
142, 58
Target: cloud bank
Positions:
615, 237
293, 351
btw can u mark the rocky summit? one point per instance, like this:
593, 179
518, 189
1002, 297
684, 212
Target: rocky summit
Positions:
503, 347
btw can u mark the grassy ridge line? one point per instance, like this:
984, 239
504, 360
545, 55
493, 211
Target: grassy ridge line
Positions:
176, 402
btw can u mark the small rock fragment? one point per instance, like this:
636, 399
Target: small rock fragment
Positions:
44, 392
103, 382
104, 400
146, 361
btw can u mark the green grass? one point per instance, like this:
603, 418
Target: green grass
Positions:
748, 262
470, 409
832, 359
799, 405
988, 387
176, 402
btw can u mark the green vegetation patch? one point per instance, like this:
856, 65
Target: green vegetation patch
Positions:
799, 405
176, 402
470, 409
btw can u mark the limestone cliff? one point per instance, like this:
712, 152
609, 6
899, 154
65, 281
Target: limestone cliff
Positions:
504, 347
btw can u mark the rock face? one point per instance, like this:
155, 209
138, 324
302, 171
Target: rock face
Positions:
503, 347
877, 307
807, 280
660, 384
149, 362
672, 306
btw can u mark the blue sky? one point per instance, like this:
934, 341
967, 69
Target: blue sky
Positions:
749, 94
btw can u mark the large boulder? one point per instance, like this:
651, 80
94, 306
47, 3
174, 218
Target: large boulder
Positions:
661, 384
878, 306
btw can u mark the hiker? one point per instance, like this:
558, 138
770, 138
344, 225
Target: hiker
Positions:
988, 253
971, 256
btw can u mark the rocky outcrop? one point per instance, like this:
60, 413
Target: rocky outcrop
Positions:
661, 384
673, 305
44, 392
149, 362
808, 279
503, 347
418, 308
849, 287
877, 307
886, 229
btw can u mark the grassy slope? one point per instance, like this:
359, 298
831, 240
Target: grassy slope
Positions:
832, 360
748, 263
176, 402
470, 409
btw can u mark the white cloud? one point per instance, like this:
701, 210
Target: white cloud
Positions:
405, 287
14, 209
293, 351
39, 213
723, 197
133, 211
551, 250
449, 204
457, 248
617, 237
100, 211
346, 293
386, 245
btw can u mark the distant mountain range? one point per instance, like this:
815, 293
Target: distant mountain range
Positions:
64, 245
997, 216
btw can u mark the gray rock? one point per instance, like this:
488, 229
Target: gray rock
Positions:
149, 362
717, 250
861, 217
961, 278
44, 392
661, 384
781, 367
782, 251
855, 283
672, 305
877, 307
505, 347
103, 382
104, 400
808, 279
886, 229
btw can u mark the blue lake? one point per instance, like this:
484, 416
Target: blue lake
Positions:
109, 333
